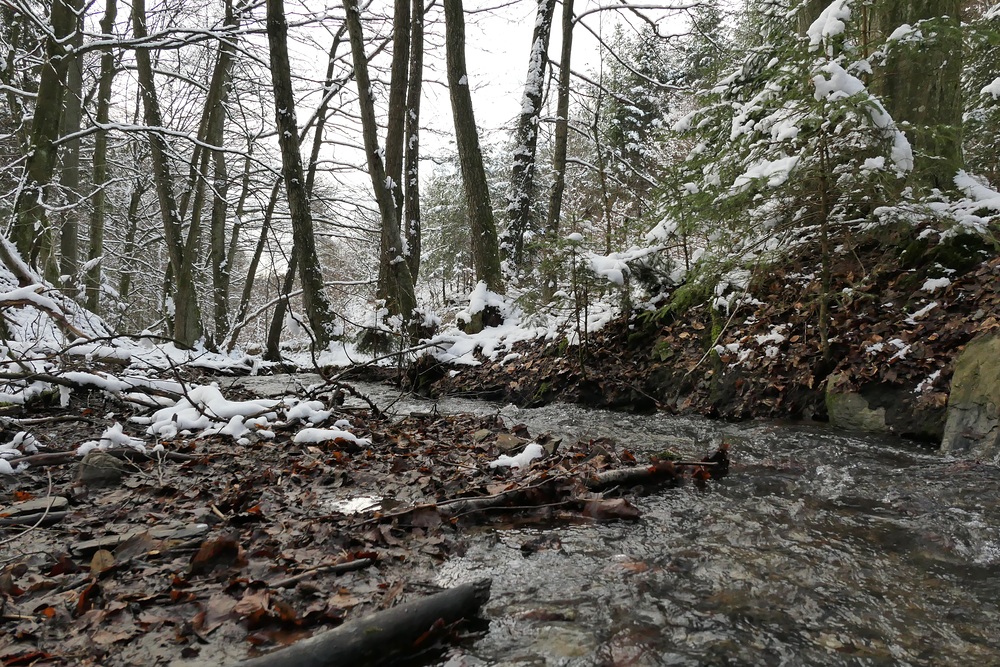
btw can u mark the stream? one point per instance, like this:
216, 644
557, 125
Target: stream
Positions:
820, 548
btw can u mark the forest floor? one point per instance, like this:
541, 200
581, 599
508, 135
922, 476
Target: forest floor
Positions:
215, 551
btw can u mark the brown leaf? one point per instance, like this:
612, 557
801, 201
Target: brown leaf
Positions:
102, 561
216, 611
253, 607
87, 597
223, 550
137, 545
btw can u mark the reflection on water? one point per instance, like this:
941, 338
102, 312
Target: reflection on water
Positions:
821, 548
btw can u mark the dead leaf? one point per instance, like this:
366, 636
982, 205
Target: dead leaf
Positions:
102, 561
611, 509
223, 551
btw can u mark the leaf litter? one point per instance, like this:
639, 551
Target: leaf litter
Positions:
232, 544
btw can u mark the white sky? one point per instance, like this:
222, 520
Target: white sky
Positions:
498, 38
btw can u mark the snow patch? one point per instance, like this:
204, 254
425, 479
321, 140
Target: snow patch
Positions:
530, 453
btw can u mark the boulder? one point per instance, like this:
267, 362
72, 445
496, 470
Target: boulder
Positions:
973, 425
850, 410
883, 408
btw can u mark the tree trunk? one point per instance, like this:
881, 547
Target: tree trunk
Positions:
921, 85
186, 314
522, 174
411, 184
69, 174
131, 227
394, 133
397, 100
31, 233
485, 249
560, 148
273, 343
100, 197
319, 312
221, 270
399, 295
374, 639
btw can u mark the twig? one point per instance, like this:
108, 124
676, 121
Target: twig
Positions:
329, 568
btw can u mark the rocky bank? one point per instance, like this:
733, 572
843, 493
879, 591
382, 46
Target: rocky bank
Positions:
913, 347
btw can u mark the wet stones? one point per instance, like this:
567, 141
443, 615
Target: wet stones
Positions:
973, 425
100, 469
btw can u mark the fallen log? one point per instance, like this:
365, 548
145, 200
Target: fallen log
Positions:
655, 473
373, 639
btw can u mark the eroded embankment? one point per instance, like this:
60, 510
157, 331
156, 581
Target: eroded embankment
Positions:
900, 312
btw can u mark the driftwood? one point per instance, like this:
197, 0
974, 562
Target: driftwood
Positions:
376, 638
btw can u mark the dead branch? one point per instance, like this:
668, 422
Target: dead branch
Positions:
372, 639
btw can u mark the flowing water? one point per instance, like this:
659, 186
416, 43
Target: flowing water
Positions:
820, 548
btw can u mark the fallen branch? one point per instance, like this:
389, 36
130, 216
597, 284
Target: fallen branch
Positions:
59, 458
334, 568
44, 518
372, 639
656, 473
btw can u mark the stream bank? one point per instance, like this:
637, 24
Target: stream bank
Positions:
901, 313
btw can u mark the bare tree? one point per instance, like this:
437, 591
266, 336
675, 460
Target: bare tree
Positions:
522, 175
99, 198
485, 248
561, 137
411, 137
398, 288
31, 233
186, 313
318, 310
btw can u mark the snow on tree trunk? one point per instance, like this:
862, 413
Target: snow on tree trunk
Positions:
399, 292
186, 314
522, 176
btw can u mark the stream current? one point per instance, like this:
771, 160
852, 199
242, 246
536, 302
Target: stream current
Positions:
820, 548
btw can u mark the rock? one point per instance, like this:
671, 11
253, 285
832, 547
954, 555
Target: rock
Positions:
52, 504
850, 410
98, 468
508, 443
973, 425
883, 408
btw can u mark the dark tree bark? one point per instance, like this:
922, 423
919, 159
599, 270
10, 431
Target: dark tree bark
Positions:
273, 343
99, 199
186, 313
374, 639
522, 174
411, 133
395, 126
31, 233
318, 309
218, 97
399, 295
485, 248
561, 142
397, 100
921, 86
69, 173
